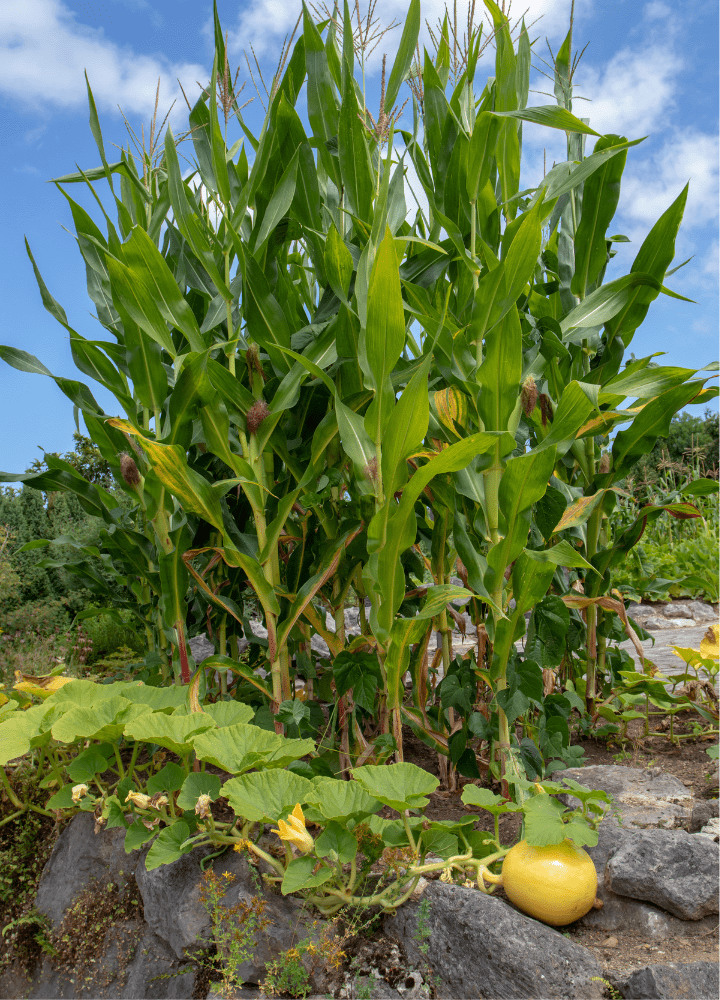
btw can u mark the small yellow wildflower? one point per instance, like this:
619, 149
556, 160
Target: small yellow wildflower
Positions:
79, 792
292, 953
294, 831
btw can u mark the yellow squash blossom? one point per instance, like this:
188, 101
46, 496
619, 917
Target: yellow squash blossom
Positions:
294, 832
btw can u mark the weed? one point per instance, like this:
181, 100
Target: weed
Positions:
234, 928
291, 973
610, 990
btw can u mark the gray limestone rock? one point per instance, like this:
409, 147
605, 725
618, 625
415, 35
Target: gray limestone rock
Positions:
658, 622
171, 900
152, 972
702, 612
671, 868
674, 981
677, 609
703, 811
201, 648
481, 947
80, 856
644, 798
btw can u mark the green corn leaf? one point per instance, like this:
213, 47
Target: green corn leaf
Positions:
186, 218
551, 116
405, 53
652, 422
565, 177
523, 482
280, 202
149, 266
601, 193
384, 574
406, 430
606, 302
562, 554
135, 298
384, 336
338, 263
481, 152
356, 443
144, 361
354, 158
266, 321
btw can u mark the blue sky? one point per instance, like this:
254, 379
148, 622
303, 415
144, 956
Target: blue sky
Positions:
650, 69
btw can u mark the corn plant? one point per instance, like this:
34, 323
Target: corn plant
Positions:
315, 382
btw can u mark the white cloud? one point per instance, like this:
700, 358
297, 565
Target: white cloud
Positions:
264, 23
651, 185
633, 94
44, 51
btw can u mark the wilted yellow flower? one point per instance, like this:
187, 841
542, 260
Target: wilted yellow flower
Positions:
138, 799
446, 876
41, 687
79, 792
158, 800
294, 832
468, 884
202, 806
709, 644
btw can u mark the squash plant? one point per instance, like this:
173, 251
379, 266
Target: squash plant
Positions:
101, 748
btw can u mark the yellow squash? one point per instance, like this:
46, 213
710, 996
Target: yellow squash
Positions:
555, 884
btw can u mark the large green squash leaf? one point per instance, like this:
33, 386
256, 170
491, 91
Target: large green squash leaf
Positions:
400, 786
265, 796
239, 747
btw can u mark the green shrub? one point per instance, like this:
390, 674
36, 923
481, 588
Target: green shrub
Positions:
108, 635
